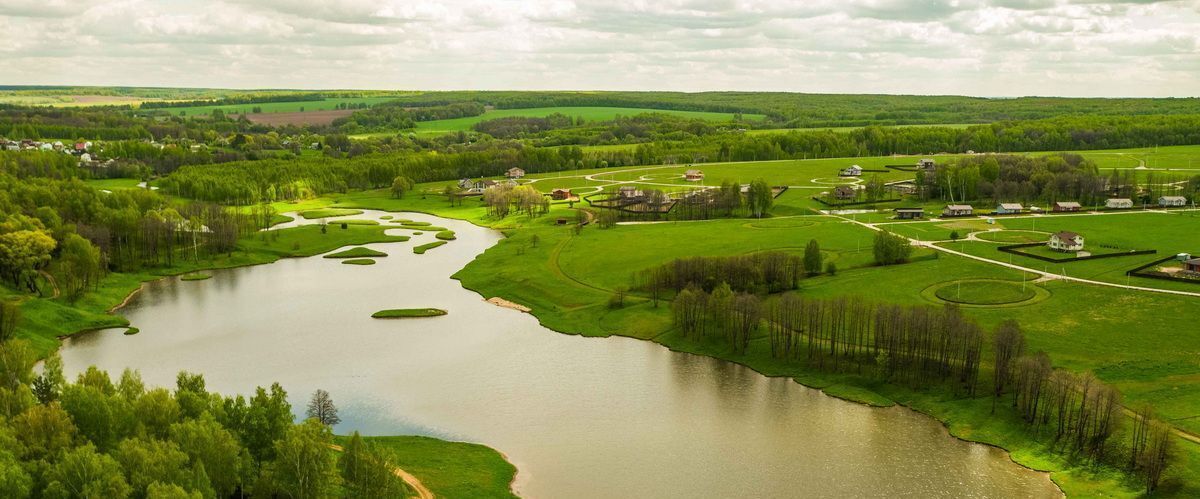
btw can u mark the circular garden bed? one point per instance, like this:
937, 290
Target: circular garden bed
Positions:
986, 293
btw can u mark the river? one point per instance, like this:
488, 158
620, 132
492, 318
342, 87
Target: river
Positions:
580, 417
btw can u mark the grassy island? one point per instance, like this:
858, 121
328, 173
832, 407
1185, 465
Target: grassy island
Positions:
407, 313
357, 252
420, 250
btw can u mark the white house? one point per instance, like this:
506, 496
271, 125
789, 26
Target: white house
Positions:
514, 173
851, 171
1166, 201
1065, 241
1009, 208
1119, 204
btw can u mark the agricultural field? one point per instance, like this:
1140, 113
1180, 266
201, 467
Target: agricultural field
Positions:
587, 113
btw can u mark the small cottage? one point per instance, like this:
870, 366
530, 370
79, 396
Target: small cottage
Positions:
1009, 208
1192, 265
1170, 201
926, 164
693, 175
560, 194
910, 213
1066, 206
514, 173
958, 210
843, 192
1119, 204
851, 171
1065, 241
629, 192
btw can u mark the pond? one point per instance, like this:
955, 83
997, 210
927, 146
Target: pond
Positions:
580, 417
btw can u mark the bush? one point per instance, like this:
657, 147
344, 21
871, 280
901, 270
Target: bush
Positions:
617, 300
831, 268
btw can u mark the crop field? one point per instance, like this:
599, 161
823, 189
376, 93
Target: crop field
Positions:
587, 113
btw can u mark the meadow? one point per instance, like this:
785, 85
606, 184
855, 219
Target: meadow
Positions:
587, 113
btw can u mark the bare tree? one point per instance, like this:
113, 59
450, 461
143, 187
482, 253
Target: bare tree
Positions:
321, 408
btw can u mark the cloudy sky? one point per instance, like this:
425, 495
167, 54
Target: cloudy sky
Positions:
971, 47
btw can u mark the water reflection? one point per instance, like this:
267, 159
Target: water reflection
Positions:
580, 417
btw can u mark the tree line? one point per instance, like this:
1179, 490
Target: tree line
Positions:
99, 437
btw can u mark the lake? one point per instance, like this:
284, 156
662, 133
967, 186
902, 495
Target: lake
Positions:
580, 417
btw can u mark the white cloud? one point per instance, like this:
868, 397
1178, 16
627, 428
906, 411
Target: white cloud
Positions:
973, 47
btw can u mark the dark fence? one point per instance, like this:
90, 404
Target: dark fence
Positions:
1140, 272
1014, 249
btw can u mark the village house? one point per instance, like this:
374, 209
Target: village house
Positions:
1065, 241
958, 210
629, 192
1192, 265
1067, 206
926, 165
560, 194
844, 192
1169, 201
1119, 204
514, 173
851, 171
901, 187
693, 175
910, 213
1009, 208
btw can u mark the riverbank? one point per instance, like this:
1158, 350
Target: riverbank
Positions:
451, 469
529, 271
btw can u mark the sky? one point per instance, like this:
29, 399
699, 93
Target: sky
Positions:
964, 47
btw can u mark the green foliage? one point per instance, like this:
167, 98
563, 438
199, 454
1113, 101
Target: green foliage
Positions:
445, 235
813, 257
306, 466
82, 472
891, 249
366, 470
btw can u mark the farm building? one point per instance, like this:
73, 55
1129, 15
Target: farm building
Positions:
1009, 208
560, 194
1167, 201
693, 175
514, 173
910, 213
1067, 206
629, 192
851, 171
1192, 265
958, 210
1065, 241
843, 192
1119, 204
926, 164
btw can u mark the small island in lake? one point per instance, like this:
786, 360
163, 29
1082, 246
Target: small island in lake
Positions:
406, 313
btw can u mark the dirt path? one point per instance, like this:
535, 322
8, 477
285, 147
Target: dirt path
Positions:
422, 491
53, 283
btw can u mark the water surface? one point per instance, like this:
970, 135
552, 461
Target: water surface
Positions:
580, 417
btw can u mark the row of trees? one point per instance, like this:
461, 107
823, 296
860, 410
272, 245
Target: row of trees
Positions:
764, 272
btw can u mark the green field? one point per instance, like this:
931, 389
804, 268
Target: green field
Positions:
451, 470
587, 113
274, 107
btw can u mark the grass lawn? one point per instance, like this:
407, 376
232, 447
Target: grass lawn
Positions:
451, 470
114, 183
276, 107
403, 313
357, 252
446, 235
985, 292
329, 212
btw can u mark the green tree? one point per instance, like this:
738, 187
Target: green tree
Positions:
267, 420
891, 249
214, 449
84, 473
79, 264
304, 466
759, 198
44, 430
149, 461
170, 491
812, 257
10, 319
23, 254
48, 385
156, 411
401, 185
366, 471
